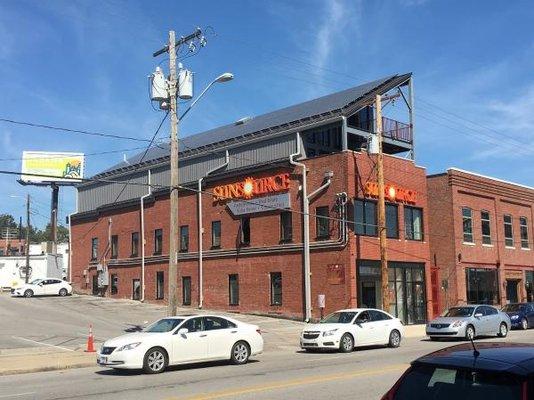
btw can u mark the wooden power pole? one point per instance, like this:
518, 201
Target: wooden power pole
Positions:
173, 231
382, 208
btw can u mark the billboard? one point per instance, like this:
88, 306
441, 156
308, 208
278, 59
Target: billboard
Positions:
58, 167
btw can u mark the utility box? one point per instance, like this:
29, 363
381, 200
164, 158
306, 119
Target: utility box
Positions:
158, 86
185, 84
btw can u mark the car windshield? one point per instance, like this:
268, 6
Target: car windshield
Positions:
425, 382
163, 325
460, 312
36, 281
513, 308
342, 317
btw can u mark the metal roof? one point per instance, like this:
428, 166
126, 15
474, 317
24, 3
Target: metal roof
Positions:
263, 124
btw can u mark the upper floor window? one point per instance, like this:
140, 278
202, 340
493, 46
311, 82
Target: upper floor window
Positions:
485, 227
94, 248
135, 244
508, 231
392, 221
158, 241
413, 222
245, 231
467, 220
286, 226
523, 230
322, 222
184, 238
216, 234
365, 218
114, 246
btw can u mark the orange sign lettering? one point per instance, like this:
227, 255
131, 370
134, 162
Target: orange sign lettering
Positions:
392, 193
251, 187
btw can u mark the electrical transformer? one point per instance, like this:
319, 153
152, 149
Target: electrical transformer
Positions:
158, 86
185, 84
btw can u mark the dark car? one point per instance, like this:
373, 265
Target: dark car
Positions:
521, 314
499, 371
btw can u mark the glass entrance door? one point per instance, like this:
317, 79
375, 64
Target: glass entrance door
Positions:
369, 294
511, 290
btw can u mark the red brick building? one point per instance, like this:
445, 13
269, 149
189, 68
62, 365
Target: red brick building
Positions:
252, 202
480, 239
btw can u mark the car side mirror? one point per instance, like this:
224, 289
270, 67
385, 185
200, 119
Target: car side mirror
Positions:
182, 331
478, 315
40, 284
361, 321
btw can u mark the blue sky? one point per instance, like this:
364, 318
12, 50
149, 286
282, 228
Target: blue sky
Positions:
84, 65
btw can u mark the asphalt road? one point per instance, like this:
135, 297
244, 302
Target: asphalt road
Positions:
281, 372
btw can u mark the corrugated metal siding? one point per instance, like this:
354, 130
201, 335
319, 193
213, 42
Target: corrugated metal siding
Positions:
100, 194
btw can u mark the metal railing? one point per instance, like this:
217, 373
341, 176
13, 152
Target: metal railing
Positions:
396, 130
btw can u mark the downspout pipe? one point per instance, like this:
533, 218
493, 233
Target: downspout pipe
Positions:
306, 230
143, 237
70, 239
201, 229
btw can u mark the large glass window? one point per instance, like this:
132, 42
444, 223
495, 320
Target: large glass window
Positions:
508, 231
245, 231
114, 246
135, 244
413, 222
523, 229
184, 238
529, 285
233, 289
392, 221
482, 286
186, 290
94, 248
158, 241
276, 288
286, 226
216, 234
467, 219
160, 285
365, 214
322, 222
486, 227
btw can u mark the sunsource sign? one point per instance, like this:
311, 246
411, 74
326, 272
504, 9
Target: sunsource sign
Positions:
391, 193
250, 187
42, 167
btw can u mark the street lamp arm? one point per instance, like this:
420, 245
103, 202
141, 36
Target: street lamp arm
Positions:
196, 100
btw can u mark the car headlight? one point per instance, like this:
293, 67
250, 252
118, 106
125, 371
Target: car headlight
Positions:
130, 346
514, 317
329, 333
457, 324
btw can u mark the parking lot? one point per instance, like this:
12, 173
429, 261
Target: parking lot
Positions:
282, 371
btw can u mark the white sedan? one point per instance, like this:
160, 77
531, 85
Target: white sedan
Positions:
182, 340
43, 287
346, 329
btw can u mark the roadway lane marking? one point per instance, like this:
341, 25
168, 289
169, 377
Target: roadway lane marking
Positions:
295, 382
5, 396
41, 343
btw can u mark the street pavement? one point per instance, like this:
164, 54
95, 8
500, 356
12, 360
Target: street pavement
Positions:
283, 371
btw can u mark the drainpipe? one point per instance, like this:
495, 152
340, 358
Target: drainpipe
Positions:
306, 231
143, 237
70, 248
201, 229
344, 135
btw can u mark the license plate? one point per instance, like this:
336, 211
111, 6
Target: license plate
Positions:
103, 360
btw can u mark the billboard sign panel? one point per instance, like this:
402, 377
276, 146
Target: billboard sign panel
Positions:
57, 167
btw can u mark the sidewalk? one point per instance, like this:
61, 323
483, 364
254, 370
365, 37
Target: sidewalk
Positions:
38, 359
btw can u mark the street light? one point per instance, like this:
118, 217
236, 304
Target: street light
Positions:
227, 76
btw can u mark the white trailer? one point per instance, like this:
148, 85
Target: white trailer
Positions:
13, 269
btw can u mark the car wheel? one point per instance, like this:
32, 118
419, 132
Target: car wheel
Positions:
63, 292
28, 293
240, 353
524, 324
394, 339
346, 344
155, 361
503, 330
470, 332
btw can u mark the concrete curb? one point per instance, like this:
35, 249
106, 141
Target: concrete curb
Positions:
48, 368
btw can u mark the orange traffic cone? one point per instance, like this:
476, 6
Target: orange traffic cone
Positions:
90, 341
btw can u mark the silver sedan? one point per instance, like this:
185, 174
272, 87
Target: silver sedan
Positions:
468, 322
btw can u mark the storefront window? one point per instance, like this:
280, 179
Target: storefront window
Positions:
482, 286
406, 284
529, 282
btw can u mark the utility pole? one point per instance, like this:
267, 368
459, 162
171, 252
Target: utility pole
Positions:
382, 207
173, 110
27, 237
173, 240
